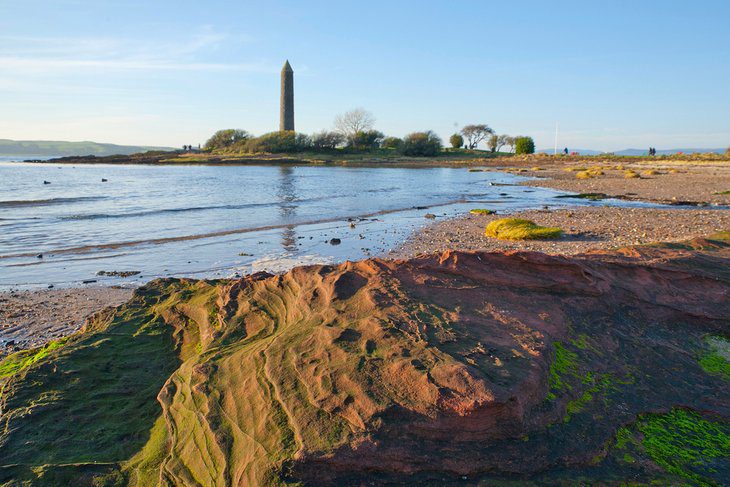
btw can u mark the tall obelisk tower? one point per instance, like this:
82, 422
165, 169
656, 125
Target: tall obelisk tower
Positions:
286, 111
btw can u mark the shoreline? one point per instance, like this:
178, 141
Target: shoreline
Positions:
33, 317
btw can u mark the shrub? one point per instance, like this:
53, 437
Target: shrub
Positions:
224, 139
631, 174
327, 140
456, 141
650, 172
391, 143
278, 142
519, 229
481, 211
365, 140
524, 145
421, 144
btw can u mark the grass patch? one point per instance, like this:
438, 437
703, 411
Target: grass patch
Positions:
723, 192
519, 229
651, 172
631, 174
481, 211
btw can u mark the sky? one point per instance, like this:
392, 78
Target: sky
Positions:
612, 75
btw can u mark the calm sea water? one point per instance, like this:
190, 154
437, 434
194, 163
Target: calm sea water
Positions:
219, 221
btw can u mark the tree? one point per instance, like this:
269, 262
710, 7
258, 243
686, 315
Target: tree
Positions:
365, 140
391, 143
278, 142
456, 141
421, 144
327, 140
502, 141
354, 121
493, 142
524, 145
226, 138
509, 142
475, 134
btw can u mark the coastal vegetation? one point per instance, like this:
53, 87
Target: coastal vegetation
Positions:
524, 145
520, 229
481, 211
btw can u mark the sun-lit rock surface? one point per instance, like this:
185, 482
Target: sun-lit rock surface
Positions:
447, 368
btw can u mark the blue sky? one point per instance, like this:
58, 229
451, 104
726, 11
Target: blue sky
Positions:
613, 74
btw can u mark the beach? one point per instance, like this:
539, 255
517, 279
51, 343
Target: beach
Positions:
29, 318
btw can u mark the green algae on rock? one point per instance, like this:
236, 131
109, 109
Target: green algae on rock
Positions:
514, 367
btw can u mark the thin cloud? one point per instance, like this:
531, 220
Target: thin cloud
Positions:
55, 64
41, 55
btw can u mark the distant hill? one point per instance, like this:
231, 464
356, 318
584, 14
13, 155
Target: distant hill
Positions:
43, 148
636, 152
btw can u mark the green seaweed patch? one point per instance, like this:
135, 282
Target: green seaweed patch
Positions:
716, 358
686, 444
481, 211
12, 364
565, 363
519, 229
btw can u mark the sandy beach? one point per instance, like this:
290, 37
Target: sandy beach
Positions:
585, 229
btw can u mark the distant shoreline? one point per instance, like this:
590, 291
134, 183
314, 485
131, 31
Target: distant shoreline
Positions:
449, 158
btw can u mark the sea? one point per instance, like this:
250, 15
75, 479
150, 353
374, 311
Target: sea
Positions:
67, 225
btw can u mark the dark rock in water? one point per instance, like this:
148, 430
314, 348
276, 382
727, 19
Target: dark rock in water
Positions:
118, 273
430, 216
88, 281
39, 256
103, 180
516, 367
46, 182
335, 241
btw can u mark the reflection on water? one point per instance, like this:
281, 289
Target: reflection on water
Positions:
287, 206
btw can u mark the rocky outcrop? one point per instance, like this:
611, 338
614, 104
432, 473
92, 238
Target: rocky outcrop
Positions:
456, 367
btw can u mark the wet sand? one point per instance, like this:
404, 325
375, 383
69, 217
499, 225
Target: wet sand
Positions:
31, 318
707, 184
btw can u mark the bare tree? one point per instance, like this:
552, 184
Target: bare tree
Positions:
502, 141
475, 134
354, 121
510, 142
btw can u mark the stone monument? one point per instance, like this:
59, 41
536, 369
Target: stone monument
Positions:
286, 110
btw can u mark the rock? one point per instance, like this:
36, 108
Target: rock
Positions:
335, 241
430, 216
481, 365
